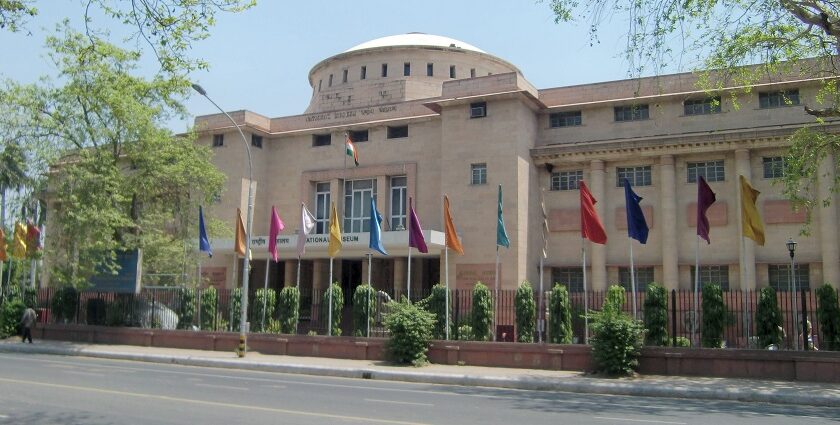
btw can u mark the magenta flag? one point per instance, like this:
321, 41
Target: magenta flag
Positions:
276, 227
415, 232
705, 199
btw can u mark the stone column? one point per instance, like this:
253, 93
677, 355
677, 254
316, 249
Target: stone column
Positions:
828, 225
668, 202
400, 269
290, 273
746, 246
320, 275
598, 257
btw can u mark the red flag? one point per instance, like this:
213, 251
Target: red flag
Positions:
590, 225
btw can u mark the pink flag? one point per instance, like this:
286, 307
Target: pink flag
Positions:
276, 227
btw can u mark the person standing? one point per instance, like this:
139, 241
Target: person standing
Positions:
27, 322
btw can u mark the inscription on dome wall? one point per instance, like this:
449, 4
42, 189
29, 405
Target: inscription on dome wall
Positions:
353, 113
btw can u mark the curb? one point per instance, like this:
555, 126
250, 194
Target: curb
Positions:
573, 385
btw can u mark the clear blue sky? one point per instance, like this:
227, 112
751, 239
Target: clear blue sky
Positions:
260, 58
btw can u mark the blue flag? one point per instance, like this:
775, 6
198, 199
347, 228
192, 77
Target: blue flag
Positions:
375, 229
203, 241
501, 233
637, 227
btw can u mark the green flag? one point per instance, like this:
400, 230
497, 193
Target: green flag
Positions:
501, 233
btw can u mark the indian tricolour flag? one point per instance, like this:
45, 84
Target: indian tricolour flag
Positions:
351, 150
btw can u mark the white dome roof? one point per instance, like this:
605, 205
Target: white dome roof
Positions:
415, 39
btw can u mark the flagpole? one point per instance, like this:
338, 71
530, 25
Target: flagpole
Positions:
446, 271
633, 280
541, 311
696, 291
409, 270
370, 289
496, 301
585, 297
265, 290
329, 288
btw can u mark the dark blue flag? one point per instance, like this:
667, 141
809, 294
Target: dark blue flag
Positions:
375, 229
203, 241
637, 227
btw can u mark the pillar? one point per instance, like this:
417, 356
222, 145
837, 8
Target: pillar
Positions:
320, 275
599, 253
290, 273
669, 232
400, 265
747, 246
828, 224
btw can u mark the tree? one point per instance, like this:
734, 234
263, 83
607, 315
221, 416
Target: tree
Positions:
768, 319
799, 39
13, 173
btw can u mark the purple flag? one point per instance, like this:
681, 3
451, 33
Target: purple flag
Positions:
415, 232
705, 199
275, 228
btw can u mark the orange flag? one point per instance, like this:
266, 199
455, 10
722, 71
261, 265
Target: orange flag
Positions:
239, 242
452, 240
3, 255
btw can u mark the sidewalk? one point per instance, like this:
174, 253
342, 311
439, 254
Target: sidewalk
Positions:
777, 392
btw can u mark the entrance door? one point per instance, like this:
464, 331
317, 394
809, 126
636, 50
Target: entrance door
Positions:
351, 277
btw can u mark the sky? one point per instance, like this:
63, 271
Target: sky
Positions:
260, 59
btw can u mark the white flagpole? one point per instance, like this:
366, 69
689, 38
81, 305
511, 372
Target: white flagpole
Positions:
696, 291
235, 260
409, 273
265, 290
370, 289
496, 301
446, 271
329, 288
633, 280
541, 311
585, 298
297, 283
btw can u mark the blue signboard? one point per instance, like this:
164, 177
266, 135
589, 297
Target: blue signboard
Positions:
125, 281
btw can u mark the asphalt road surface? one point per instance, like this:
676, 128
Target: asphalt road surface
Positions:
40, 389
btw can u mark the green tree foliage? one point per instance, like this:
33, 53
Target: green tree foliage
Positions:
828, 313
337, 306
482, 312
64, 303
288, 308
526, 311
10, 315
410, 328
616, 337
560, 315
656, 315
263, 297
768, 319
186, 308
614, 299
209, 303
435, 303
364, 303
714, 316
15, 13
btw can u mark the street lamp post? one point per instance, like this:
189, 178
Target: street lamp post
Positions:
243, 310
791, 246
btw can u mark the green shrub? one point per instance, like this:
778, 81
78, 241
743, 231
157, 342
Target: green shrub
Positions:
234, 308
616, 337
209, 303
186, 308
682, 342
337, 305
768, 319
482, 312
120, 311
828, 313
614, 299
560, 315
465, 333
288, 309
410, 328
265, 301
64, 303
714, 316
436, 304
10, 316
656, 315
526, 311
364, 301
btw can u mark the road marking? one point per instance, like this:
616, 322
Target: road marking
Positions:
226, 387
276, 386
638, 420
4, 416
373, 400
79, 372
211, 403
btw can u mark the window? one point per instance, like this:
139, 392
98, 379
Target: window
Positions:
398, 201
397, 132
478, 110
479, 174
572, 277
407, 69
322, 208
644, 277
472, 72
256, 141
430, 69
319, 84
778, 277
218, 140
452, 71
638, 176
344, 76
384, 70
712, 171
321, 140
710, 105
363, 73
712, 274
357, 196
330, 83
566, 180
631, 113
359, 136
564, 119
774, 167
778, 99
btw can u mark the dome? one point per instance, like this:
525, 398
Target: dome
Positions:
414, 39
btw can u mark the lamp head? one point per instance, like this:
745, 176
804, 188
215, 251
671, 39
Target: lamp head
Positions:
199, 89
791, 246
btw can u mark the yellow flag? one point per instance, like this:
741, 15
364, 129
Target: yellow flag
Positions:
751, 223
452, 240
239, 242
19, 243
335, 233
3, 255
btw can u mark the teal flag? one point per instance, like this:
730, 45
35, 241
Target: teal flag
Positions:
375, 229
501, 233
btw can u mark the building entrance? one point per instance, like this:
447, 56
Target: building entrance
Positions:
351, 277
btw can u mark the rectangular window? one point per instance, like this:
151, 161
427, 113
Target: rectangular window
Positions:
565, 119
256, 141
430, 69
566, 180
363, 73
644, 277
399, 194
359, 136
397, 132
774, 167
452, 71
478, 110
322, 208
321, 140
319, 84
638, 176
478, 174
631, 113
778, 99
712, 171
472, 72
709, 105
712, 274
357, 196
329, 84
572, 277
218, 140
778, 277
407, 69
384, 70
344, 76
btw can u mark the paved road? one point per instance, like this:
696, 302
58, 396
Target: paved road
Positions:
38, 389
